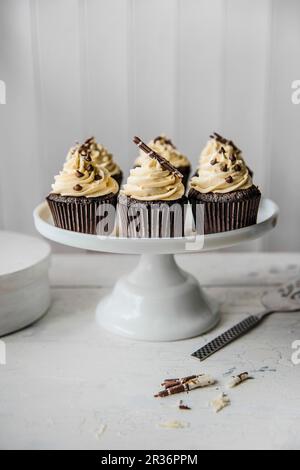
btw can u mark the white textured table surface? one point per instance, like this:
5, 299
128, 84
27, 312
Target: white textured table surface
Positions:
68, 384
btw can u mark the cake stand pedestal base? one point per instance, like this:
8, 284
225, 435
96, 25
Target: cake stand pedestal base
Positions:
158, 301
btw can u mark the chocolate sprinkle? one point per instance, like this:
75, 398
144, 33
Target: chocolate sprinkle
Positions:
232, 158
90, 168
214, 161
224, 167
88, 158
98, 177
79, 174
222, 150
77, 187
229, 180
237, 167
163, 162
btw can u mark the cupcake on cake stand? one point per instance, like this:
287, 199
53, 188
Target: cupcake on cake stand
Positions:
157, 301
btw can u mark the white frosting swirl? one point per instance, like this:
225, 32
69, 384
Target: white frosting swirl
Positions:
222, 169
164, 147
101, 157
150, 182
81, 178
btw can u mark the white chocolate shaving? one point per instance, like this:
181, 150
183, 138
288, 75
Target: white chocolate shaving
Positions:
221, 402
100, 431
201, 381
238, 379
174, 425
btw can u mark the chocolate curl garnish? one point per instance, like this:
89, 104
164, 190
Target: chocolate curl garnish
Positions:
164, 140
219, 138
163, 162
223, 140
200, 381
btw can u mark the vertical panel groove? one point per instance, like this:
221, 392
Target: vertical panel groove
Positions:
84, 67
221, 124
268, 118
2, 223
131, 78
177, 76
200, 72
38, 87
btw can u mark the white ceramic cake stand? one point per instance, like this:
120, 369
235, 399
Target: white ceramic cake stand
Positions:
158, 301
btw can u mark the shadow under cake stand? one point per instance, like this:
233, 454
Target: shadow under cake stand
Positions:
158, 301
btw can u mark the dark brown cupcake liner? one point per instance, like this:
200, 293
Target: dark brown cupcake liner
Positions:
94, 216
151, 219
225, 215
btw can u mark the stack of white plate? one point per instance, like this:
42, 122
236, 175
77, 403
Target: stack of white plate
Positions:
24, 281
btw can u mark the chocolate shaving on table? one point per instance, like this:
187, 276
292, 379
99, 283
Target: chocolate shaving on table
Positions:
171, 384
238, 379
161, 160
183, 406
173, 390
200, 381
221, 402
167, 383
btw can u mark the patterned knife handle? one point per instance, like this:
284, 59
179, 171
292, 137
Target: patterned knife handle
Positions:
228, 337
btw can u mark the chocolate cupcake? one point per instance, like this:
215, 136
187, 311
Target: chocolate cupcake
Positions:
223, 188
84, 197
152, 203
101, 158
165, 147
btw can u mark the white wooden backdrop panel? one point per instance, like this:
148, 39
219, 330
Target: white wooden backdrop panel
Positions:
115, 68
